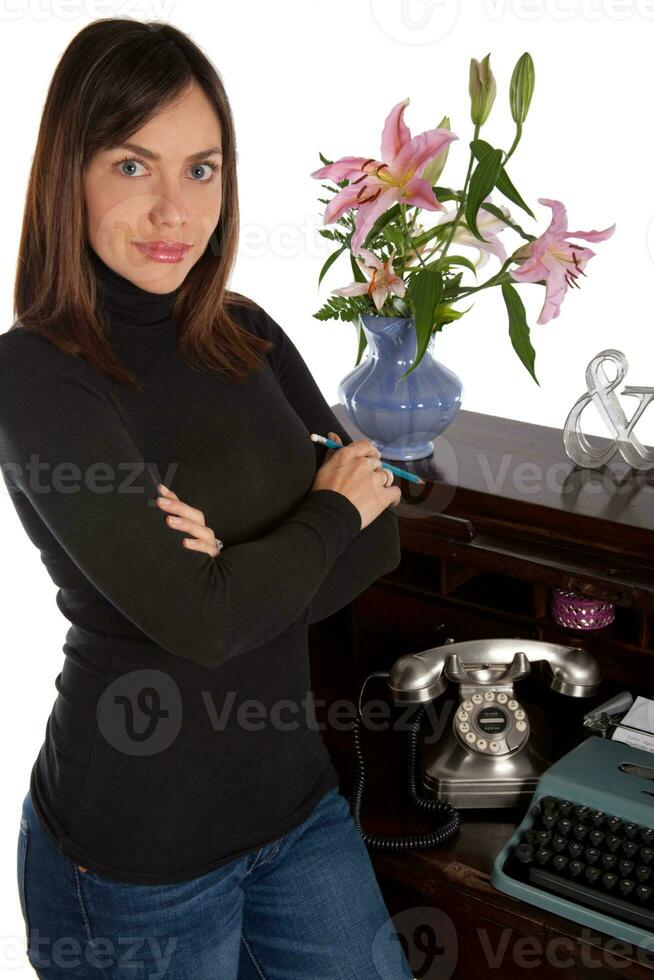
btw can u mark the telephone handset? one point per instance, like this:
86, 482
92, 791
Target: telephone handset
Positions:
485, 757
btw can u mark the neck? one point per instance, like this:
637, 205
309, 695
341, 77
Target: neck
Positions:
127, 305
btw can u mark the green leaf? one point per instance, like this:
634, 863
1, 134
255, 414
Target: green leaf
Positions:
447, 314
482, 183
356, 270
436, 232
363, 343
423, 295
452, 285
330, 261
344, 308
446, 194
505, 186
493, 208
443, 194
381, 222
519, 329
395, 237
459, 260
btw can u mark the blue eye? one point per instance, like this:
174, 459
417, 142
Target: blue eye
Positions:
213, 168
129, 160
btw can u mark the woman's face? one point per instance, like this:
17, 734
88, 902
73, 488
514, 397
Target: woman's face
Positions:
161, 188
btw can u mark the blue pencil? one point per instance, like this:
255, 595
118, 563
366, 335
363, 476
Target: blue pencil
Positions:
387, 466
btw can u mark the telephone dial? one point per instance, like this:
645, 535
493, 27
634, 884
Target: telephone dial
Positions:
485, 757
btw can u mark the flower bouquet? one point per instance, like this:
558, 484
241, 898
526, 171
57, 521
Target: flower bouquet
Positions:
403, 269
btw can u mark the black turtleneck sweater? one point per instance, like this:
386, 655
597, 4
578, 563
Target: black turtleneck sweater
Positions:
182, 735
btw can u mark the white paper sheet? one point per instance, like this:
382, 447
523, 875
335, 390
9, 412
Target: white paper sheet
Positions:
640, 715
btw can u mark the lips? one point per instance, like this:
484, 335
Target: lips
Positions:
164, 251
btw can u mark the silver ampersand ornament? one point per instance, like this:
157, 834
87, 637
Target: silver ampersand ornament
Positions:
601, 392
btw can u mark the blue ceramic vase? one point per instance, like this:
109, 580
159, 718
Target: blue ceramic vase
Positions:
400, 417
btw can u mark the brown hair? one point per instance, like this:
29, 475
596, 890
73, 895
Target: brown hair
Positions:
112, 78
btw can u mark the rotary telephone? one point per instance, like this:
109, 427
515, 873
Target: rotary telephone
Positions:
485, 757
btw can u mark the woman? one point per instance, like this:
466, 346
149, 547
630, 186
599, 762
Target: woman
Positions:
169, 828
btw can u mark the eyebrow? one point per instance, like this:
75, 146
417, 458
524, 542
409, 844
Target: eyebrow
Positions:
135, 148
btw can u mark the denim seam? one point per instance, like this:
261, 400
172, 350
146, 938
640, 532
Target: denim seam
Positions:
271, 855
85, 917
24, 829
253, 865
255, 961
257, 864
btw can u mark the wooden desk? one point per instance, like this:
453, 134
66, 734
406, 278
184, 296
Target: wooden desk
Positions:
504, 518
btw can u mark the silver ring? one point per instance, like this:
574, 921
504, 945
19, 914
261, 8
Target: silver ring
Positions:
386, 473
219, 544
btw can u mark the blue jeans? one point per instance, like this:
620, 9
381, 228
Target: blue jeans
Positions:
305, 907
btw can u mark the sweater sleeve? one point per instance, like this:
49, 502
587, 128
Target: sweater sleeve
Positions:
65, 447
376, 549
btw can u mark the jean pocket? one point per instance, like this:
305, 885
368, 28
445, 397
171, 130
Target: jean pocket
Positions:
21, 872
85, 874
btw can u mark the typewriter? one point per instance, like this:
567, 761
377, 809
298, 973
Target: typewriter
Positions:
585, 847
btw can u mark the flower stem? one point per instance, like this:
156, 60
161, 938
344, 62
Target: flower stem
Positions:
518, 134
407, 233
459, 213
493, 281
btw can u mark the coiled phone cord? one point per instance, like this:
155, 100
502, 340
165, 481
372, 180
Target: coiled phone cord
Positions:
435, 838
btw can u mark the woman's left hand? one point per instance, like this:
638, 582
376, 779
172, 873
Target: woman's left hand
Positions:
183, 517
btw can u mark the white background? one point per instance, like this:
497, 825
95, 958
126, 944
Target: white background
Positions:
310, 76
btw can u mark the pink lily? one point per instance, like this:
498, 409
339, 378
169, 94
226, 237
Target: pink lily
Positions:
555, 259
377, 184
382, 279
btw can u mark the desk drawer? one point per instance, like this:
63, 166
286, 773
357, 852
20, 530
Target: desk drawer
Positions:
406, 622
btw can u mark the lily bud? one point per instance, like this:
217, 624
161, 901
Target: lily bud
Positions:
522, 253
482, 90
434, 168
522, 88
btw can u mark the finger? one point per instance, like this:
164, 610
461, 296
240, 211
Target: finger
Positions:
390, 488
203, 538
331, 450
173, 505
208, 549
162, 488
384, 476
361, 447
189, 526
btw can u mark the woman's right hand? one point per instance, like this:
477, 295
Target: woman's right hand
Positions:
356, 472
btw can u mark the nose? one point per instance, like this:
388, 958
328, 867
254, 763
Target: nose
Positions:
168, 208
